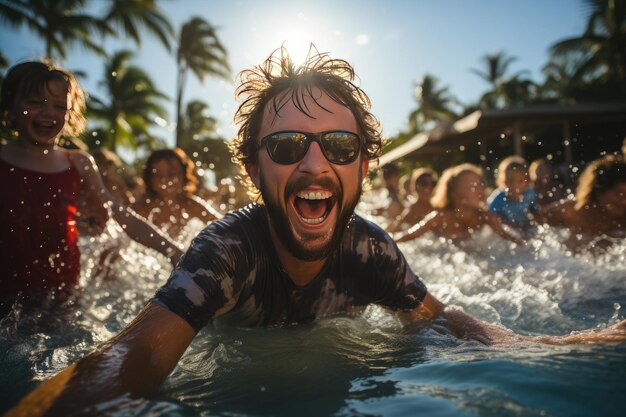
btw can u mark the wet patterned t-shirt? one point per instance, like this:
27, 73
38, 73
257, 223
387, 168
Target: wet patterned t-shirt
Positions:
232, 272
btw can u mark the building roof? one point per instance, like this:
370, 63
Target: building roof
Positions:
489, 124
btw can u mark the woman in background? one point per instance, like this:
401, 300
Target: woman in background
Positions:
169, 200
599, 210
422, 182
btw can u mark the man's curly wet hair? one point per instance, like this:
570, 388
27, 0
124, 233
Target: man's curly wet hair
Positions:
277, 81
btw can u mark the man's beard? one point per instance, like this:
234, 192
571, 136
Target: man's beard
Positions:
280, 222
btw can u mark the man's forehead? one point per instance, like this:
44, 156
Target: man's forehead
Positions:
307, 102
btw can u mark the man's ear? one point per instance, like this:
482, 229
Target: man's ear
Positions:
365, 164
252, 168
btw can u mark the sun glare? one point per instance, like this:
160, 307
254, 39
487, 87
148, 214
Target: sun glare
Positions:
362, 39
296, 32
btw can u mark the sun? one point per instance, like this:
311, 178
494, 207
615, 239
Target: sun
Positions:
296, 31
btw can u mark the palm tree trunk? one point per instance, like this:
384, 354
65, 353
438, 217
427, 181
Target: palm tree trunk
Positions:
182, 75
113, 131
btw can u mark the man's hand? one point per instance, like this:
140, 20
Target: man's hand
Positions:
465, 326
613, 334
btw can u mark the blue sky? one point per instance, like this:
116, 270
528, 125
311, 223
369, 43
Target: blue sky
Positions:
392, 44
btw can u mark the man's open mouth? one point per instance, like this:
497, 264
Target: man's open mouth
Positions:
313, 207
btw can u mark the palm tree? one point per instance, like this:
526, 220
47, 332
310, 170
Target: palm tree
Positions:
134, 103
196, 124
58, 22
433, 104
497, 65
130, 15
517, 91
564, 79
201, 52
199, 139
603, 43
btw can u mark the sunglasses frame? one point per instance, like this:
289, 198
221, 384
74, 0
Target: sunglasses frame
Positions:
311, 137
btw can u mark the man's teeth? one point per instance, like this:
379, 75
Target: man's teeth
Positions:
313, 221
314, 195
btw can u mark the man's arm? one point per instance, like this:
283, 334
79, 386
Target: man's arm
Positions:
464, 326
136, 362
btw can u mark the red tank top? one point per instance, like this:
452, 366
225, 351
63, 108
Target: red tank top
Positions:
38, 236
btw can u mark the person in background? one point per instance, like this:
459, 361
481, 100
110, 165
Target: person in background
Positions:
392, 205
459, 208
544, 180
421, 185
404, 184
41, 186
170, 200
599, 211
514, 201
305, 141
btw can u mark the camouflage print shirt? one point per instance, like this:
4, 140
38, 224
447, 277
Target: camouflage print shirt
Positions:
232, 272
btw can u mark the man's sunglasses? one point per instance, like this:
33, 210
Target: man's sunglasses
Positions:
289, 147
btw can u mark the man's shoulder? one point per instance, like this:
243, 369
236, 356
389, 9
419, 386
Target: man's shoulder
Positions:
252, 213
238, 224
364, 225
364, 229
238, 233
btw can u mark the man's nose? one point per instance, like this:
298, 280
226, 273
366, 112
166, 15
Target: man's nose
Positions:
314, 161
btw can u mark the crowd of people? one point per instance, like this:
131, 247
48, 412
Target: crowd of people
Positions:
524, 199
297, 254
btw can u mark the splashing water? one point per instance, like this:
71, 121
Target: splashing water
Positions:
369, 365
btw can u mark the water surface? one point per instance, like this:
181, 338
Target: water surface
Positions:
370, 365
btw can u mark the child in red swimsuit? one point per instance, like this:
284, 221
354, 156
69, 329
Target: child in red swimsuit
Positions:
41, 183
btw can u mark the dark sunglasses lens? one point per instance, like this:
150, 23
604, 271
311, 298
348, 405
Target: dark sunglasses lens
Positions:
341, 147
287, 147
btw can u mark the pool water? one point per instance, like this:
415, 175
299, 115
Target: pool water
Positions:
364, 366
